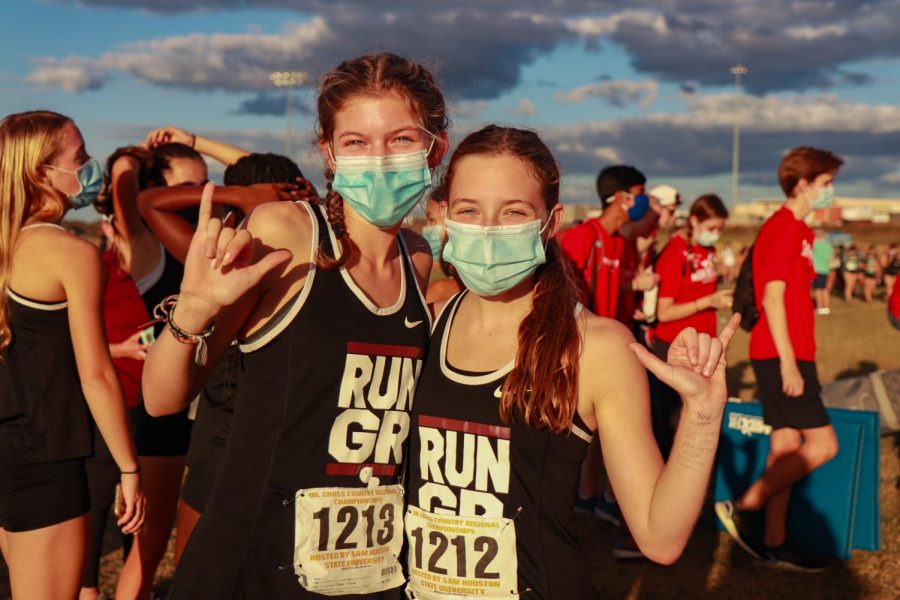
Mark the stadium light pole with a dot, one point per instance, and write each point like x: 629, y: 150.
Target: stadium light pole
x: 288, y: 80
x: 737, y: 70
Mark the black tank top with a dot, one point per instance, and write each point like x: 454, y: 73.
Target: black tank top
x: 324, y: 395
x: 43, y: 413
x: 490, y: 503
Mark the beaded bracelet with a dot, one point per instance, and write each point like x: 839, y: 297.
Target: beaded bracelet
x: 163, y: 313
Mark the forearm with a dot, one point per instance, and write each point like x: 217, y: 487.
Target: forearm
x: 778, y: 327
x: 671, y: 311
x: 222, y: 152
x: 104, y: 399
x: 171, y: 377
x: 682, y: 484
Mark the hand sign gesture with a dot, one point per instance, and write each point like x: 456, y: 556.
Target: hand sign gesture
x: 218, y: 269
x: 696, y: 364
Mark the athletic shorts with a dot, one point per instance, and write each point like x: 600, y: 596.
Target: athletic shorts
x: 820, y: 282
x: 39, y: 495
x: 168, y: 435
x: 779, y: 411
x: 211, y: 429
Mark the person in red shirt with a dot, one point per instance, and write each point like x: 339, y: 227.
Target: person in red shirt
x: 606, y: 260
x: 688, y: 276
x: 783, y: 354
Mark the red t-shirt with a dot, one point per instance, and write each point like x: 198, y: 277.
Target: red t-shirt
x: 600, y: 258
x: 123, y: 314
x: 783, y: 252
x: 686, y: 274
x: 894, y: 301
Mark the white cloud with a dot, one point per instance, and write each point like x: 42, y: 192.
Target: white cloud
x: 525, y: 108
x: 618, y: 93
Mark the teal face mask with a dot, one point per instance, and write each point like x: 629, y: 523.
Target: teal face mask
x: 824, y: 199
x: 90, y: 180
x: 434, y: 235
x: 382, y: 189
x: 706, y: 238
x: 491, y: 260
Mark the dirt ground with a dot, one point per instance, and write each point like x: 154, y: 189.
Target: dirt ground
x: 855, y: 339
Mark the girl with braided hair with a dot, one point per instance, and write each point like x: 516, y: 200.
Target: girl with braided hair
x: 326, y: 304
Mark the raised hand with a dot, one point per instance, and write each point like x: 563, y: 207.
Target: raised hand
x: 168, y: 134
x: 696, y: 364
x: 218, y: 269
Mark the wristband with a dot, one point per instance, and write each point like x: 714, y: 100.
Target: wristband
x: 163, y: 313
x: 193, y: 140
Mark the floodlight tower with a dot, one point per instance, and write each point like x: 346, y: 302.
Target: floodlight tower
x: 288, y: 80
x: 737, y: 70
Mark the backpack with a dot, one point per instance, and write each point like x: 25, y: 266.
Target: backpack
x: 744, y: 300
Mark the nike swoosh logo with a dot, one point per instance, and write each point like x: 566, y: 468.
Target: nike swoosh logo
x: 498, y: 393
x: 410, y: 324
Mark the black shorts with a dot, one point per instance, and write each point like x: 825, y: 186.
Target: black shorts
x: 211, y: 429
x: 39, y: 495
x: 169, y: 435
x: 779, y: 411
x: 820, y: 282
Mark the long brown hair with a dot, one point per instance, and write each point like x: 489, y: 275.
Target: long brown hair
x: 371, y: 75
x: 707, y: 206
x: 27, y: 141
x: 543, y: 385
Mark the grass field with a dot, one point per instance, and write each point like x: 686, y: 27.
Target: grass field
x: 855, y: 339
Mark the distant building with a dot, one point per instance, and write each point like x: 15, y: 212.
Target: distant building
x: 844, y: 210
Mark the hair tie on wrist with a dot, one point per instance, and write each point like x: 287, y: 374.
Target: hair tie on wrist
x: 135, y: 472
x: 193, y: 140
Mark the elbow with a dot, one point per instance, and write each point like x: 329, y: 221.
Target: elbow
x: 664, y: 555
x: 155, y: 402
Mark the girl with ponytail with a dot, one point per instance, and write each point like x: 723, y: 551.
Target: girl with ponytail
x: 56, y: 374
x: 326, y: 307
x: 517, y: 381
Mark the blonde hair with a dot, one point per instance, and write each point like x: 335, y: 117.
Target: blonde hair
x: 27, y: 141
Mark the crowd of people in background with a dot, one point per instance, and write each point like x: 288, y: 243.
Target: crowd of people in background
x: 240, y: 361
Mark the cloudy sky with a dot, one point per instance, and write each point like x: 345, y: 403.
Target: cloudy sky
x: 647, y: 85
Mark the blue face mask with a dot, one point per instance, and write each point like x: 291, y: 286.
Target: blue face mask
x: 492, y: 260
x: 641, y: 204
x: 90, y: 180
x: 434, y: 235
x: 824, y: 199
x: 382, y: 189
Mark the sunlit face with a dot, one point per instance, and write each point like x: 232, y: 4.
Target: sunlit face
x: 186, y: 171
x: 377, y: 126
x: 70, y: 156
x: 811, y: 188
x: 497, y: 189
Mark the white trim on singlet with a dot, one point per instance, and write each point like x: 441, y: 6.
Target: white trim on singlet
x: 48, y: 306
x: 271, y: 329
x: 146, y: 282
x: 42, y: 224
x: 581, y: 433
x: 359, y: 293
x: 452, y: 375
x: 412, y: 268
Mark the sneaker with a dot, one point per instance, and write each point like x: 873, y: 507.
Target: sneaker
x: 625, y: 548
x: 607, y: 510
x: 789, y: 557
x: 741, y: 525
x: 585, y: 505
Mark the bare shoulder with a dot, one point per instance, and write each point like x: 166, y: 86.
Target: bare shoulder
x: 605, y: 344
x: 280, y: 225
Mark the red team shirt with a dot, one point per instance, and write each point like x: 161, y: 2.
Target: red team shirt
x: 686, y: 274
x: 783, y: 252
x: 607, y: 264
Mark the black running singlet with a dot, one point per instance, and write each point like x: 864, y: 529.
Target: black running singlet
x: 307, y: 498
x: 490, y: 503
x: 43, y: 413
